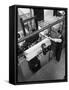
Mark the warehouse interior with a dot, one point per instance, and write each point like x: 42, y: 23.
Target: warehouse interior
x: 36, y: 50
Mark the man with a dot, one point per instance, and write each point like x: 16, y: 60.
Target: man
x: 58, y: 47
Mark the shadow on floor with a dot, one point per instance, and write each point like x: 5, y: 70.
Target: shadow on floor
x: 50, y: 71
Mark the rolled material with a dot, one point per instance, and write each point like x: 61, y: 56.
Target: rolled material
x: 36, y: 49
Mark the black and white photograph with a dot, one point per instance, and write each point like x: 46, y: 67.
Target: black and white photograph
x: 40, y: 44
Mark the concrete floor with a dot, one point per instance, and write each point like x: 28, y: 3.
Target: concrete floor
x: 51, y: 70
